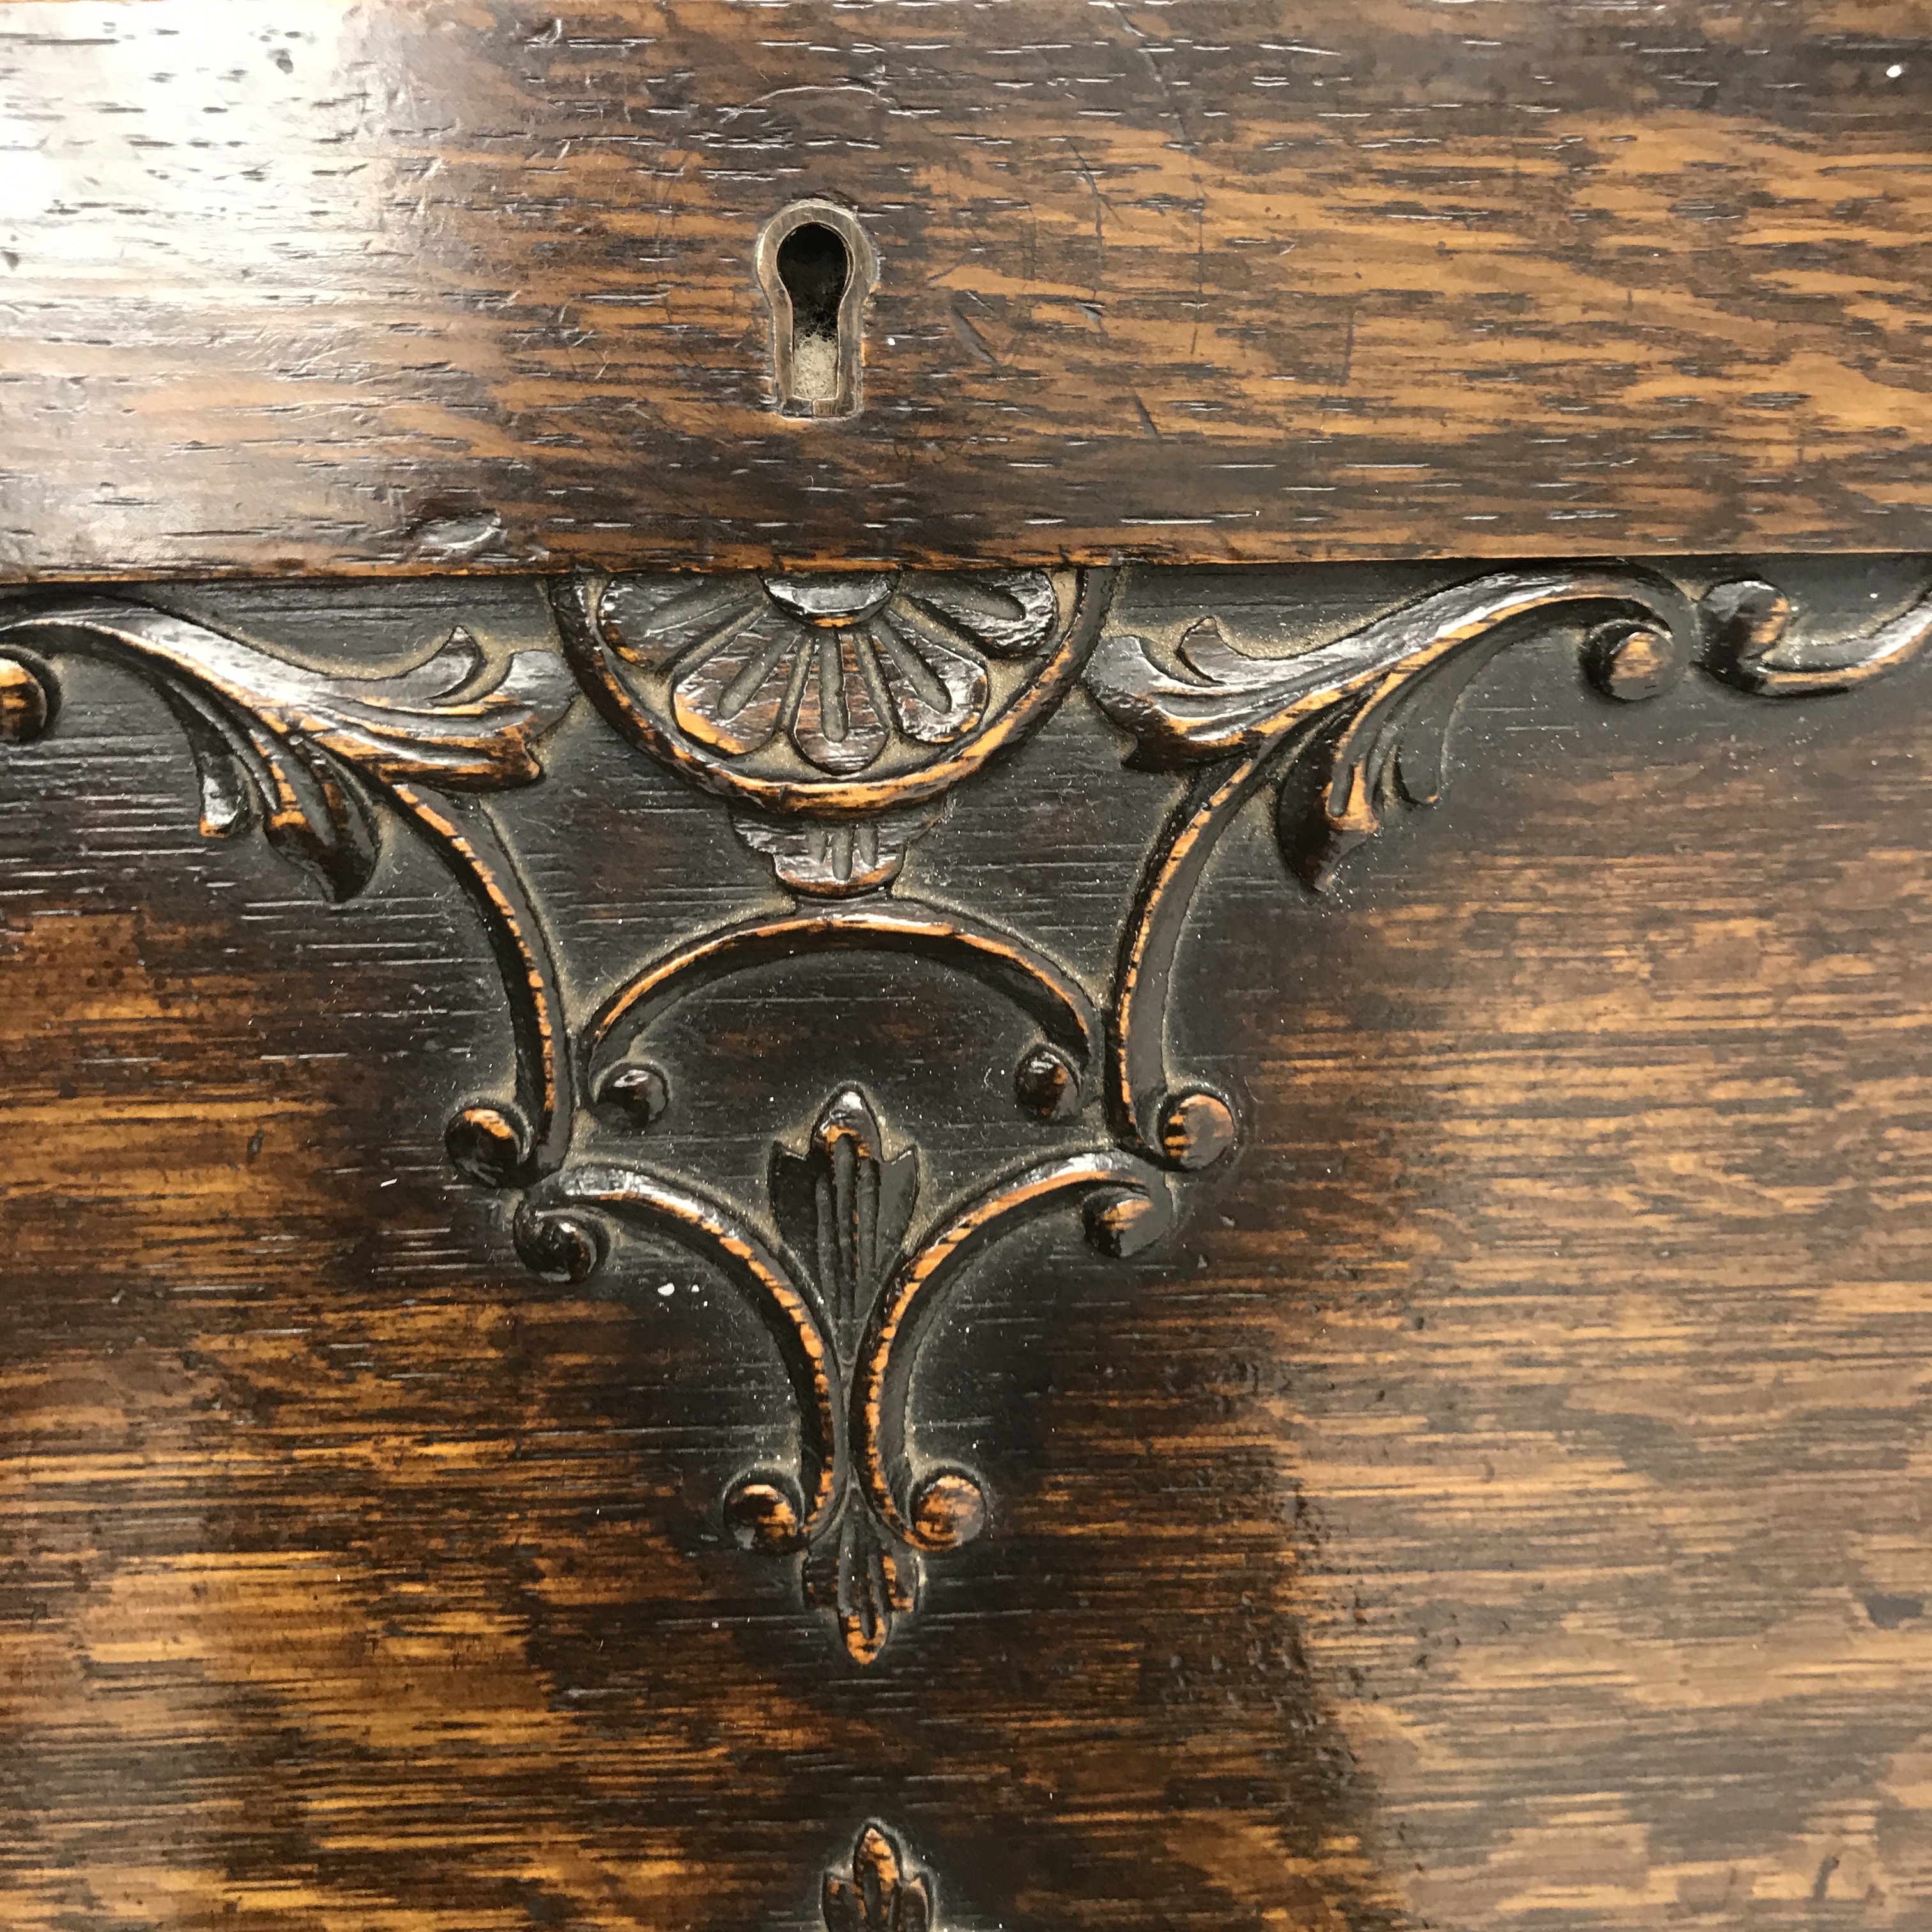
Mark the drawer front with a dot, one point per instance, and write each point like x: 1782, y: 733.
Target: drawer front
x: 1144, y: 1328
x: 385, y: 288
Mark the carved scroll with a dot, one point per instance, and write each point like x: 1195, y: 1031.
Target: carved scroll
x: 308, y: 757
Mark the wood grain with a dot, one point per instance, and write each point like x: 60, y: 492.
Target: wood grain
x: 1502, y: 1510
x: 391, y: 289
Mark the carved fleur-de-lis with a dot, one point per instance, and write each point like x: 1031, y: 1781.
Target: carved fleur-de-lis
x: 846, y: 1294
x: 884, y: 1894
x: 843, y: 1206
x: 865, y: 1579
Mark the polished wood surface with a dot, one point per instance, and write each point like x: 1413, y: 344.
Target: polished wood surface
x: 394, y: 288
x: 1500, y: 1508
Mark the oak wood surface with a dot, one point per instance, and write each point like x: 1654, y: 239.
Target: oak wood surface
x: 1501, y: 1509
x: 391, y: 288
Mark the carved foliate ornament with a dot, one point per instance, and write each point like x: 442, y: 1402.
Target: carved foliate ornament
x: 833, y: 716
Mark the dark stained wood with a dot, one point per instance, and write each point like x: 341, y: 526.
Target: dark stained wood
x: 395, y: 289
x: 1499, y: 1508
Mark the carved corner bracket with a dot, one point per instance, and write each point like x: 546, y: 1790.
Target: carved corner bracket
x: 832, y: 715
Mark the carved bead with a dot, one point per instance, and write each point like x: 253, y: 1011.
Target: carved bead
x: 760, y: 1516
x: 488, y: 1145
x: 26, y: 703
x: 1632, y: 662
x: 1196, y: 1129
x: 1119, y: 1224
x: 948, y: 1511
x: 1047, y: 1085
x: 559, y: 1247
x: 639, y: 1088
x: 1744, y: 622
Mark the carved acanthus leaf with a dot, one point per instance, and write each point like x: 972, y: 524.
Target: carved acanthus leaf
x: 1233, y: 703
x: 439, y: 722
x: 837, y: 858
x: 272, y: 737
x: 308, y: 751
x: 1362, y: 717
x: 843, y: 1206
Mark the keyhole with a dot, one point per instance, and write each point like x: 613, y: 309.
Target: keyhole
x: 817, y: 266
x: 814, y: 268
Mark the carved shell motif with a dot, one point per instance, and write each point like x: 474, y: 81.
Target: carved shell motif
x: 841, y: 665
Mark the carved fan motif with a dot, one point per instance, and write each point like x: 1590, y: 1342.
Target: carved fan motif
x: 840, y: 665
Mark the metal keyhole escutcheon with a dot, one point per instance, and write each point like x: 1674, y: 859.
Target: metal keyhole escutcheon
x: 816, y: 267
